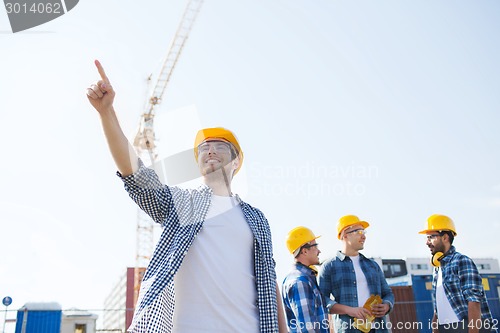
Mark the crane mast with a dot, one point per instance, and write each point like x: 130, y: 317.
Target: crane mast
x: 145, y: 140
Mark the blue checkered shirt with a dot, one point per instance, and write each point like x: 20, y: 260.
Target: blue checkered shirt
x: 462, y: 284
x: 337, y: 278
x: 304, y: 304
x: 182, y: 212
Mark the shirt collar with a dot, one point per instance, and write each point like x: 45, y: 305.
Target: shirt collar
x: 306, y: 270
x: 342, y: 256
x: 204, y: 188
x: 449, y: 254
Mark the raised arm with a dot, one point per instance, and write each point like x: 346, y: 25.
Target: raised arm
x: 101, y: 96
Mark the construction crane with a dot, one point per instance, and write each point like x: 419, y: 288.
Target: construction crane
x: 145, y: 140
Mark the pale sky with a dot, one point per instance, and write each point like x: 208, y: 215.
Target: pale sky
x: 388, y: 110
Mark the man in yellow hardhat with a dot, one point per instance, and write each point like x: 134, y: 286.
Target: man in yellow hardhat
x: 213, y: 268
x: 352, y: 279
x: 460, y: 304
x: 304, y: 305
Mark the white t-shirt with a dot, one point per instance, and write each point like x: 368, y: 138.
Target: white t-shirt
x: 215, y: 289
x: 361, y: 283
x: 444, y: 310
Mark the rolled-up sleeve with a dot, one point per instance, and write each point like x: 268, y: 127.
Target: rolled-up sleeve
x: 471, y: 282
x: 145, y: 188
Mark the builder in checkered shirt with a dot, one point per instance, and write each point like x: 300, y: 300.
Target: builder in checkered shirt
x: 350, y: 282
x: 305, y: 306
x: 212, y: 269
x: 460, y: 304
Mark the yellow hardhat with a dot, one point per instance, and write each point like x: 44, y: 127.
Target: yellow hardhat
x: 218, y: 133
x: 439, y: 222
x: 299, y: 236
x: 347, y: 221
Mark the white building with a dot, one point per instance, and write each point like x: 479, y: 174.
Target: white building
x: 78, y: 321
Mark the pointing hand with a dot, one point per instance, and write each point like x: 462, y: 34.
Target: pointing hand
x: 101, y: 93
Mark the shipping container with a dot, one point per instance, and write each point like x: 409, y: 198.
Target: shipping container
x: 422, y: 293
x: 422, y: 286
x: 39, y: 318
x: 414, y: 309
x: 491, y: 284
x: 403, y: 315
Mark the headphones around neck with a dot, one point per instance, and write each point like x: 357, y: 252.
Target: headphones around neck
x: 436, y: 258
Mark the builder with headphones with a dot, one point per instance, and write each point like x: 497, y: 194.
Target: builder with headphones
x: 460, y: 303
x: 355, y: 287
x: 304, y: 305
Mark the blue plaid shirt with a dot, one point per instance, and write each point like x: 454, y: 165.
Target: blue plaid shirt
x: 304, y: 305
x: 182, y: 213
x: 462, y: 284
x: 337, y: 278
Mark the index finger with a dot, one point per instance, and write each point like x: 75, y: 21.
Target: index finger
x: 100, y: 69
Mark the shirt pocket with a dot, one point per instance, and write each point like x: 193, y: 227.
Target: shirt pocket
x: 452, y: 280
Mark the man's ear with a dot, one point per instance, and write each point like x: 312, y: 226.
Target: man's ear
x: 446, y: 237
x: 235, y: 163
